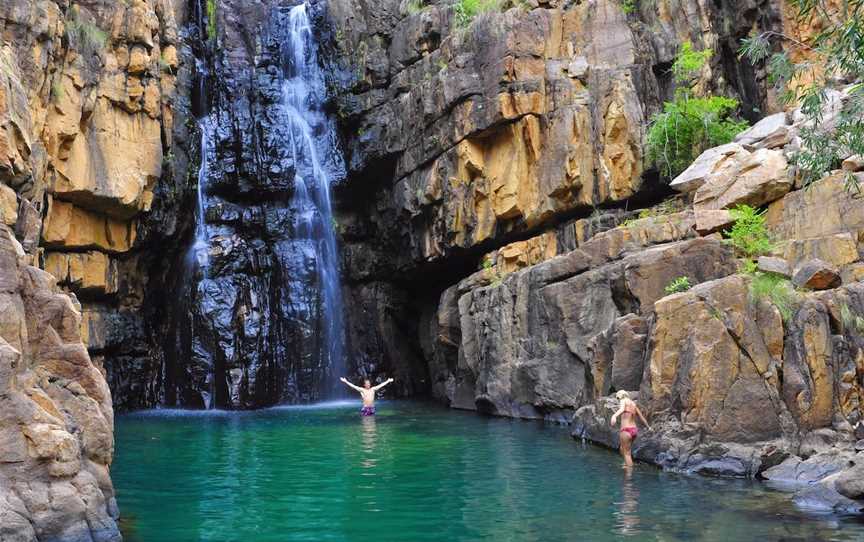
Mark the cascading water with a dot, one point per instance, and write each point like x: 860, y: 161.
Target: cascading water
x: 201, y: 246
x: 311, y: 138
x: 264, y: 322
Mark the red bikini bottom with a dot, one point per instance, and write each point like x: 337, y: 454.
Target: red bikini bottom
x: 632, y: 431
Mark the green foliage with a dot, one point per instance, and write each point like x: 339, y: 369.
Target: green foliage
x: 468, y: 10
x: 689, y: 125
x: 837, y: 50
x: 688, y: 63
x: 57, y: 92
x: 681, y: 284
x: 87, y: 38
x: 664, y: 208
x: 412, y: 7
x: 211, y: 19
x: 851, y: 322
x: 749, y: 235
x: 488, y: 263
x: 776, y: 290
x: 628, y: 6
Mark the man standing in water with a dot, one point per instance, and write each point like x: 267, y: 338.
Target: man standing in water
x: 367, y: 392
x: 628, y: 412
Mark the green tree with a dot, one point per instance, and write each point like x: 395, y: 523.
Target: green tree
x: 836, y: 52
x: 690, y: 124
x: 749, y: 235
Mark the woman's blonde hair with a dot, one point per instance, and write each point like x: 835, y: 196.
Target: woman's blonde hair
x: 621, y: 395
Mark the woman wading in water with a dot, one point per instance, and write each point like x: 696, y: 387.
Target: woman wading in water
x: 367, y: 392
x: 628, y: 412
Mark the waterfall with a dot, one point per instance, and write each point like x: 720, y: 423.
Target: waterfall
x: 201, y: 246
x: 313, y: 144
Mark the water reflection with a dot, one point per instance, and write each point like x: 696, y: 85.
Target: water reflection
x: 627, y: 513
x: 368, y: 435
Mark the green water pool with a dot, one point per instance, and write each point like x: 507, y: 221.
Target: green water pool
x: 418, y: 472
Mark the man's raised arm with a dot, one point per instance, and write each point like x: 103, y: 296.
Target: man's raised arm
x: 350, y: 385
x: 381, y: 385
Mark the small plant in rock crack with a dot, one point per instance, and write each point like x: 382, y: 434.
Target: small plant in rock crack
x: 749, y: 235
x: 468, y: 10
x: 681, y: 284
x: 628, y: 6
x: 776, y: 290
x: 57, y: 92
x: 211, y: 19
x: 413, y: 7
x: 87, y: 38
x: 851, y: 321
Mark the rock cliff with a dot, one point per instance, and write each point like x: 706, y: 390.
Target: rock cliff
x: 87, y: 193
x: 518, y: 140
x: 505, y: 244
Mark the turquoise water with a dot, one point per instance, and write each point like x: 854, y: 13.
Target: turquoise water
x: 417, y: 472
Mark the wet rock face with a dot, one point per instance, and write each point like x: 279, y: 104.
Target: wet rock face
x: 255, y: 330
x: 56, y: 418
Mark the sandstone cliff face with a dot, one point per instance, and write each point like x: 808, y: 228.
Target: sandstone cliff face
x: 86, y: 126
x: 506, y: 134
x: 57, y: 422
x: 518, y: 141
x: 90, y: 165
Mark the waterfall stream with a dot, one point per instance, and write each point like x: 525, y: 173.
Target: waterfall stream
x: 312, y: 141
x: 201, y: 246
x: 267, y: 312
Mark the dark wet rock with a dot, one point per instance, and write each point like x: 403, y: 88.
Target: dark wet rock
x: 795, y: 470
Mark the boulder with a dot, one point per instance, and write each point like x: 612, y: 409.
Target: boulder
x: 825, y: 208
x: 850, y: 483
x: 816, y: 275
x: 760, y: 178
x: 8, y: 205
x: 630, y: 334
x: 853, y: 163
x: 776, y: 266
x: 808, y: 368
x: 769, y: 133
x: 838, y: 250
x: 795, y: 471
x: 714, y: 161
x: 728, y: 348
x: 711, y: 221
x: 825, y: 499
